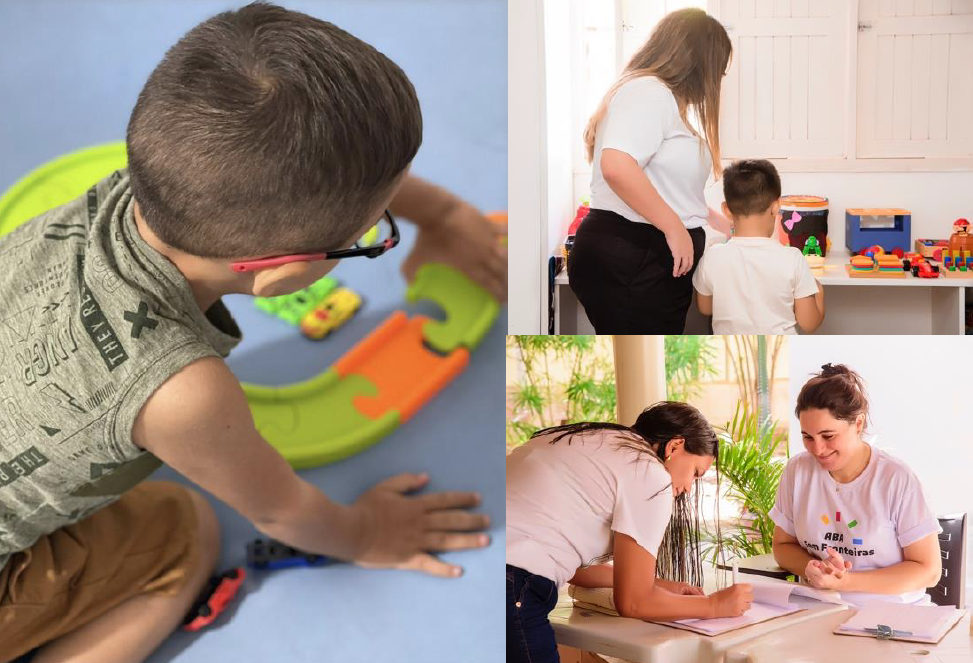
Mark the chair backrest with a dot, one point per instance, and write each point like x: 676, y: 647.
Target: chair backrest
x: 951, y: 589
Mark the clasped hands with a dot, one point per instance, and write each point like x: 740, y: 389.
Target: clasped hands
x: 829, y: 573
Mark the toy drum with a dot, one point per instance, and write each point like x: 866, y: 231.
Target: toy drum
x: 803, y: 217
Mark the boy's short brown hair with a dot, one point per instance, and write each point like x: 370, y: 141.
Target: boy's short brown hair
x: 750, y: 186
x: 267, y: 131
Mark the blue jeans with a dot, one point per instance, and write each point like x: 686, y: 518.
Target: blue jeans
x: 530, y: 637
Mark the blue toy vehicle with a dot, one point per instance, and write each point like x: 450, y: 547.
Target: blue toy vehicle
x: 272, y: 555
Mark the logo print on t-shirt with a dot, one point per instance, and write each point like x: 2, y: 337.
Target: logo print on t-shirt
x: 140, y: 319
x: 837, y: 518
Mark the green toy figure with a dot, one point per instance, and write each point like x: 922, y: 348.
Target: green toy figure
x: 812, y: 246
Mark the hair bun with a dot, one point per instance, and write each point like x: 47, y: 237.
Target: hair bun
x: 830, y: 370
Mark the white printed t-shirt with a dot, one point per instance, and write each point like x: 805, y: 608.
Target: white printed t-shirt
x: 753, y: 282
x: 869, y: 520
x: 565, y: 500
x: 643, y: 122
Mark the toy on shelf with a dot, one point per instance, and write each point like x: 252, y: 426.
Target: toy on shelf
x: 957, y: 264
x: 960, y: 240
x: 270, y: 554
x: 919, y: 266
x: 883, y: 265
x: 932, y: 249
x: 803, y: 217
x: 816, y: 263
x: 579, y: 216
x: 335, y: 310
x: 214, y: 598
x: 890, y: 228
x: 811, y: 246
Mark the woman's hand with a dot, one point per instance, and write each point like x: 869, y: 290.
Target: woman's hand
x: 681, y: 245
x: 732, y: 601
x: 829, y: 573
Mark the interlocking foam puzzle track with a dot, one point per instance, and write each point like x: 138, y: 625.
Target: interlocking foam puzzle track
x: 381, y: 382
x: 375, y: 387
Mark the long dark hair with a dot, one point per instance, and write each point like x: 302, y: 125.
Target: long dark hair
x: 679, y: 556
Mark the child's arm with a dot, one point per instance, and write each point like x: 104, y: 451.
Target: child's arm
x: 454, y: 232
x: 704, y: 303
x: 809, y: 311
x: 198, y: 422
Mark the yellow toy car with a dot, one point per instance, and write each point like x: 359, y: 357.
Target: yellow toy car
x: 333, y: 311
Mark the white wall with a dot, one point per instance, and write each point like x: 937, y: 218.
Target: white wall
x: 935, y: 199
x: 526, y: 130
x: 920, y: 400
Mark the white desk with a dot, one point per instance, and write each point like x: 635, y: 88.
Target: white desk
x: 908, y: 305
x: 644, y: 642
x: 813, y: 642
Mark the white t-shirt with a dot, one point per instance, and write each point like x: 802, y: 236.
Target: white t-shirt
x: 643, y: 121
x: 869, y: 521
x: 565, y: 500
x: 754, y: 282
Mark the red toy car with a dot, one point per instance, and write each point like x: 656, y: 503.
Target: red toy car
x: 920, y: 267
x: 213, y: 599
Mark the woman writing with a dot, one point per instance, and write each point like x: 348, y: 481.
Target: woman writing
x: 580, y: 494
x: 848, y: 516
x: 634, y: 254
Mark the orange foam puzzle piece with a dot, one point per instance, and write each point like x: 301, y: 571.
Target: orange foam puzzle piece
x: 419, y: 375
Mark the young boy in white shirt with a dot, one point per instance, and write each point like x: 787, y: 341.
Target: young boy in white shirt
x: 752, y: 284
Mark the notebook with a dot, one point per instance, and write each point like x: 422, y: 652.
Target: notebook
x: 772, y: 599
x: 915, y: 623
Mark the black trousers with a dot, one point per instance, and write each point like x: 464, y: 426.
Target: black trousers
x: 621, y: 272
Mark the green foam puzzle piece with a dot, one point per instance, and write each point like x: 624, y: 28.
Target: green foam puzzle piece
x: 57, y: 182
x: 315, y: 422
x: 470, y: 310
x: 294, y: 306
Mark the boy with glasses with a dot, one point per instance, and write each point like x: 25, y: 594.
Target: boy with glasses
x: 261, y: 149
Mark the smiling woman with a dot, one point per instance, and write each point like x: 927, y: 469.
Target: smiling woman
x: 851, y: 517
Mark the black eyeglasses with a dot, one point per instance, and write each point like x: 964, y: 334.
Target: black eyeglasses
x: 366, y: 246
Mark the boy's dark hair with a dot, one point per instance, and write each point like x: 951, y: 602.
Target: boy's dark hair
x: 267, y: 131
x: 750, y: 186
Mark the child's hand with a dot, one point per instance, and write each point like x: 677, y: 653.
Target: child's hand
x: 399, y: 532
x: 466, y: 240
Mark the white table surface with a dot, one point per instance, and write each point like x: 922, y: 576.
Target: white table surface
x: 836, y: 274
x: 645, y: 642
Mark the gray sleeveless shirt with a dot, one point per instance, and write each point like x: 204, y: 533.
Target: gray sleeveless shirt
x: 92, y: 321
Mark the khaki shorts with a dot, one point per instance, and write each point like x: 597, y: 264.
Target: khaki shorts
x: 144, y: 542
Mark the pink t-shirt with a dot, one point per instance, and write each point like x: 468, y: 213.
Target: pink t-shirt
x: 869, y: 520
x: 565, y: 501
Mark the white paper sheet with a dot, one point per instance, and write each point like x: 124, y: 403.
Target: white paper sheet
x: 758, y: 612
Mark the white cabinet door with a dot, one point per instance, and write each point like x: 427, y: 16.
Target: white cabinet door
x: 786, y: 94
x: 915, y: 78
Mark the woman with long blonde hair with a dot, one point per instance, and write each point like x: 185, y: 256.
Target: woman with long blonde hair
x: 634, y: 254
